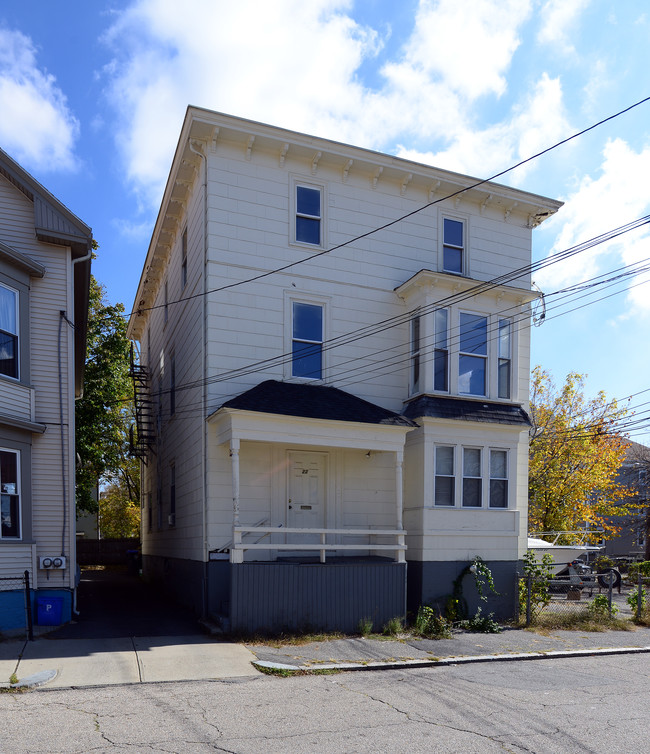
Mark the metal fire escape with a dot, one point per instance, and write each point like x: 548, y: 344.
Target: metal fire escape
x: 142, y: 436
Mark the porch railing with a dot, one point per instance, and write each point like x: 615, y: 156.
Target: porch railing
x: 239, y: 546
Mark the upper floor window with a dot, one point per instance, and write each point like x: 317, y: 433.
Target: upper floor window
x: 415, y: 354
x: 453, y: 247
x: 307, y: 340
x: 505, y: 358
x: 441, y: 350
x: 472, y: 482
x: 8, y: 332
x: 308, y: 215
x: 472, y: 359
x: 10, y: 494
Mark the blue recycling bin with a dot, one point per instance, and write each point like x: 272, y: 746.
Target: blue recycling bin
x: 49, y: 611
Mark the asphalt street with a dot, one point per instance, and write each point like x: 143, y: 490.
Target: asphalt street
x: 596, y: 704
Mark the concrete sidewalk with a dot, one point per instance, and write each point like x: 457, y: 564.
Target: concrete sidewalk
x: 62, y: 663
x: 510, y: 644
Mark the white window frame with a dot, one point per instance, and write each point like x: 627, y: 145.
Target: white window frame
x: 416, y: 356
x: 464, y: 256
x: 504, y: 357
x: 451, y: 476
x: 324, y: 302
x: 459, y: 476
x: 16, y: 334
x: 296, y: 183
x: 15, y: 493
x: 485, y: 357
x: 466, y: 449
x: 505, y: 479
x: 441, y: 347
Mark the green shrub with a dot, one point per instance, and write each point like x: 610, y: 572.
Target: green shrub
x: 393, y: 627
x: 430, y: 624
x: 603, y: 562
x: 540, y: 573
x: 635, y: 569
x: 632, y: 600
x: 365, y: 626
x: 599, y: 608
x: 483, y: 624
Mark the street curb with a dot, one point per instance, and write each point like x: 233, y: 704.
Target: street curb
x: 445, y: 662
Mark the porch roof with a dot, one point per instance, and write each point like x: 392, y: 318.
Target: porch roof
x: 316, y: 415
x: 314, y: 402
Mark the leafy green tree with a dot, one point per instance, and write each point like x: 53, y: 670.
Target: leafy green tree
x: 575, y: 455
x: 103, y: 414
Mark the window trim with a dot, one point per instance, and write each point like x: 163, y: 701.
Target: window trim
x: 16, y: 335
x: 416, y: 355
x: 485, y: 357
x: 451, y: 476
x: 300, y: 182
x: 459, y: 476
x: 464, y: 260
x: 17, y: 494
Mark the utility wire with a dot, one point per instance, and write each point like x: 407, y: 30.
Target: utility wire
x: 476, y: 184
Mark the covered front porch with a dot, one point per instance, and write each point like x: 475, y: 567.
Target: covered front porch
x: 315, y: 538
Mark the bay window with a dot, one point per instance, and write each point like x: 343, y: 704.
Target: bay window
x: 498, y: 479
x: 415, y: 354
x: 441, y: 350
x: 473, y: 355
x: 445, y: 483
x: 472, y: 481
x: 505, y: 358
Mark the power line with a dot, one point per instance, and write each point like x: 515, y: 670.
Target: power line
x: 400, y: 219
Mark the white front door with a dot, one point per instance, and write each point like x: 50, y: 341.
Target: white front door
x: 306, y: 490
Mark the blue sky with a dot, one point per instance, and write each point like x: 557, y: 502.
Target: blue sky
x: 92, y: 96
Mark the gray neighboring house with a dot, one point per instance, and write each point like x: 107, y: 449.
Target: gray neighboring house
x: 633, y: 540
x: 45, y: 257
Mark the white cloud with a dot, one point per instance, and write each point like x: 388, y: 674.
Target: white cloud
x: 296, y: 64
x: 617, y: 197
x: 36, y: 127
x: 559, y: 19
x: 536, y: 123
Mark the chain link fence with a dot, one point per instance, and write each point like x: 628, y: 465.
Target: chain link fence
x: 15, y: 598
x: 575, y: 595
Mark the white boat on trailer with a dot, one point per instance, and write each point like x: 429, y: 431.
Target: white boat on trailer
x: 562, y: 554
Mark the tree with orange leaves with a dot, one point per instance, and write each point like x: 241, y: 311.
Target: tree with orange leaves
x: 575, y: 455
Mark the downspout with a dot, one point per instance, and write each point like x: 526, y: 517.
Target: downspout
x: 204, y: 397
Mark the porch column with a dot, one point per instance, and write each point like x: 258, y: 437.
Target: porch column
x: 399, y: 501
x: 236, y: 556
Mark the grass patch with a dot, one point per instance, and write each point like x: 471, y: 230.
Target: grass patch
x: 578, y: 621
x: 286, y: 673
x: 287, y: 639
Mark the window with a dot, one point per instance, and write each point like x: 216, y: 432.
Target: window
x: 472, y: 481
x: 452, y: 246
x: 10, y: 495
x: 8, y: 332
x: 415, y: 354
x: 441, y: 350
x: 184, y: 259
x: 444, y: 488
x: 498, y: 479
x: 472, y: 359
x: 505, y: 358
x: 307, y: 340
x: 308, y: 215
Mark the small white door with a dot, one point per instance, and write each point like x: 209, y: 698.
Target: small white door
x: 306, y: 490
